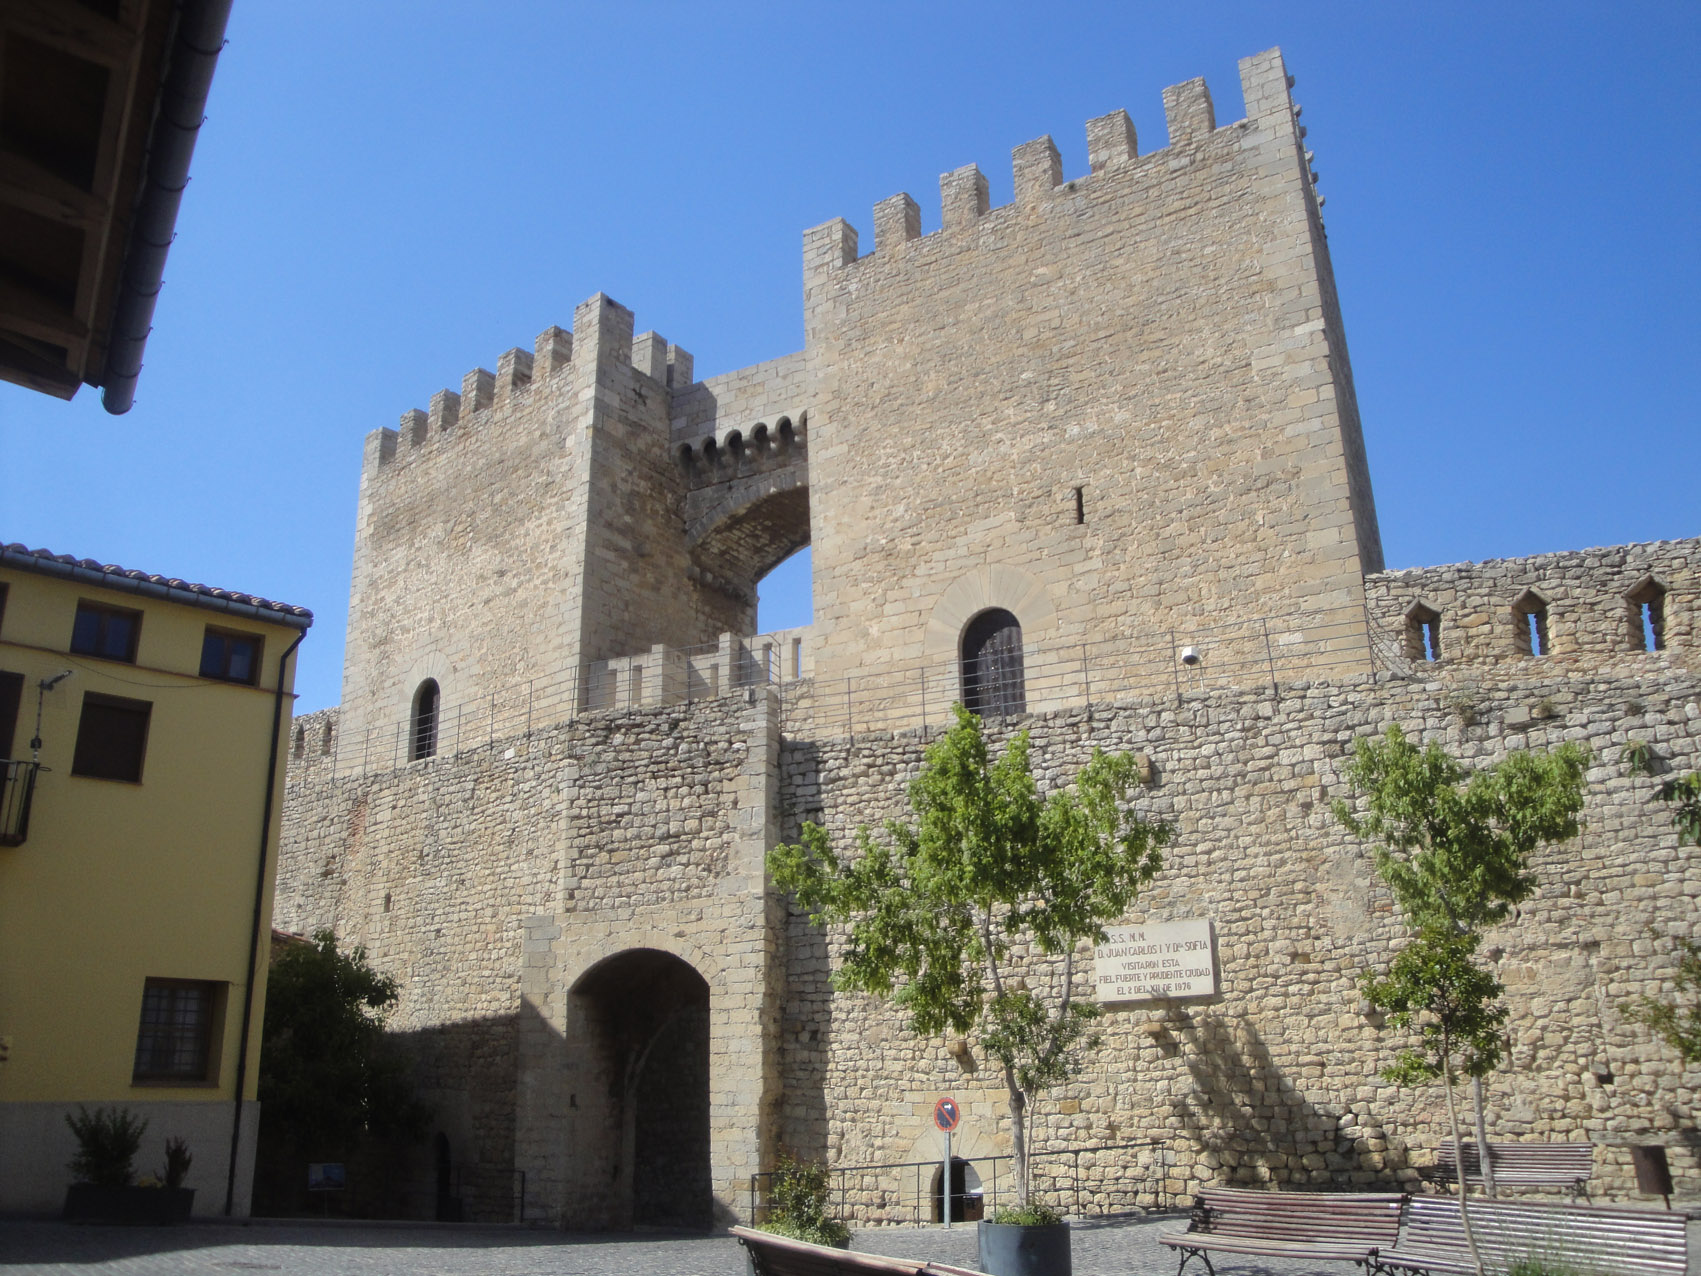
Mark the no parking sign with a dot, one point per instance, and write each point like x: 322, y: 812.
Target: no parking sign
x: 946, y: 1114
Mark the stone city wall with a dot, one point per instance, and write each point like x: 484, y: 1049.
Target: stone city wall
x: 608, y: 824
x: 1276, y: 1081
x: 491, y: 882
x: 1594, y: 600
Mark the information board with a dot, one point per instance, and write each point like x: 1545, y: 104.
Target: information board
x: 1159, y: 961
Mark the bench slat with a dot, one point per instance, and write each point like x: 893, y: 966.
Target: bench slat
x: 1324, y: 1226
x: 1519, y: 1164
x: 1607, y: 1239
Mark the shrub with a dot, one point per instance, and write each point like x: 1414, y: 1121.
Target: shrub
x: 1029, y: 1215
x: 797, y: 1204
x: 107, y: 1140
x: 177, y: 1162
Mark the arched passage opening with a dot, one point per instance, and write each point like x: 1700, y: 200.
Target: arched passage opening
x: 785, y: 597
x: 967, y: 1203
x: 642, y: 1029
x: 744, y: 531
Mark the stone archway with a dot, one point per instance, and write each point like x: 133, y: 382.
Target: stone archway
x: 638, y: 1043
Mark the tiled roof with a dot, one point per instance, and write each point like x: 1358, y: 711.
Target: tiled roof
x: 112, y: 576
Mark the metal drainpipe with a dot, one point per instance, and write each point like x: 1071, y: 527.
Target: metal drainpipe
x: 254, y: 931
x: 197, y: 39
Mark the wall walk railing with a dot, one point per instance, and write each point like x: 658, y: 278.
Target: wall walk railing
x: 1160, y: 664
x: 1082, y: 1182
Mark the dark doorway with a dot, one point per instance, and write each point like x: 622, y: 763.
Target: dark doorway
x: 992, y: 665
x: 967, y: 1205
x: 448, y: 1204
x: 646, y: 1020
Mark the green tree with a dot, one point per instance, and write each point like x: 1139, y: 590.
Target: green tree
x: 327, y: 1072
x: 970, y: 915
x: 1453, y: 845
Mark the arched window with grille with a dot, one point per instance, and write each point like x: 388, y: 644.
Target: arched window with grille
x: 422, y: 741
x: 992, y: 665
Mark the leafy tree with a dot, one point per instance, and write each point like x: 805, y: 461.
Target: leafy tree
x: 327, y: 1072
x: 1453, y: 846
x: 970, y: 916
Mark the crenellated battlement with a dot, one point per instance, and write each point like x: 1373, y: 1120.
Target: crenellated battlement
x: 1037, y: 168
x: 521, y: 373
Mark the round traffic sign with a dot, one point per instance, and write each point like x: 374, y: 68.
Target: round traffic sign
x: 946, y: 1114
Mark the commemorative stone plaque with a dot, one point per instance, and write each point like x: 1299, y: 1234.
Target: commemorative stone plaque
x: 1160, y: 961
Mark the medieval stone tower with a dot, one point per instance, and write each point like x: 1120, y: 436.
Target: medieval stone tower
x: 1090, y: 462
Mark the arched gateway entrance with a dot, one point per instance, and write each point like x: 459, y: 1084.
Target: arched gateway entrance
x: 639, y: 1028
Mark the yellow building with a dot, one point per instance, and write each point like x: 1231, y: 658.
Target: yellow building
x: 143, y: 723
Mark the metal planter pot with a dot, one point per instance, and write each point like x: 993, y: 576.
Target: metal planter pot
x: 86, y: 1203
x: 1014, y: 1249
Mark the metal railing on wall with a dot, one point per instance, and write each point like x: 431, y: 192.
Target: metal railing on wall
x: 895, y: 696
x: 1084, y: 1182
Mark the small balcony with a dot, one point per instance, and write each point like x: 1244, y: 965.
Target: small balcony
x: 17, y: 788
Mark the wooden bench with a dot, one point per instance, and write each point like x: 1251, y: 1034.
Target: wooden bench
x: 1348, y: 1227
x: 1567, y: 1165
x: 1600, y: 1240
x: 772, y: 1255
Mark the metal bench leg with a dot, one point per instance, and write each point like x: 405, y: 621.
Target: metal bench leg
x: 1188, y: 1255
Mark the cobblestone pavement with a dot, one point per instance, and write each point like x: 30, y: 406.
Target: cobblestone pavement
x: 1123, y: 1247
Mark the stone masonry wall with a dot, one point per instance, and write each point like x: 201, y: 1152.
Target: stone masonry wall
x: 1588, y: 594
x: 1277, y: 1082
x: 607, y: 824
x: 1160, y: 333
x: 644, y: 830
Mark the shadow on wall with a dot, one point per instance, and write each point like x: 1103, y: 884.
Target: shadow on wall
x: 1247, y: 1114
x: 806, y: 1031
x: 460, y: 1167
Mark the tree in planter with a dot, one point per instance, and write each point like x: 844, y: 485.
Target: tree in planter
x: 1454, y: 848
x: 327, y: 1072
x: 970, y: 916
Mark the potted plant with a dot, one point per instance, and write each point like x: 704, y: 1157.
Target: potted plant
x: 102, y: 1170
x: 972, y: 917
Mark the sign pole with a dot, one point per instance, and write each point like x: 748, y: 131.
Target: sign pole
x: 945, y: 1183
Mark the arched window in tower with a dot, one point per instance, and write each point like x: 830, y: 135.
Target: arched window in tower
x: 423, y: 741
x: 992, y: 665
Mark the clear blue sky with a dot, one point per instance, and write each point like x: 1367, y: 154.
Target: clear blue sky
x: 387, y: 195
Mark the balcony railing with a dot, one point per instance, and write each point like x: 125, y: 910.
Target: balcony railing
x: 17, y: 788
